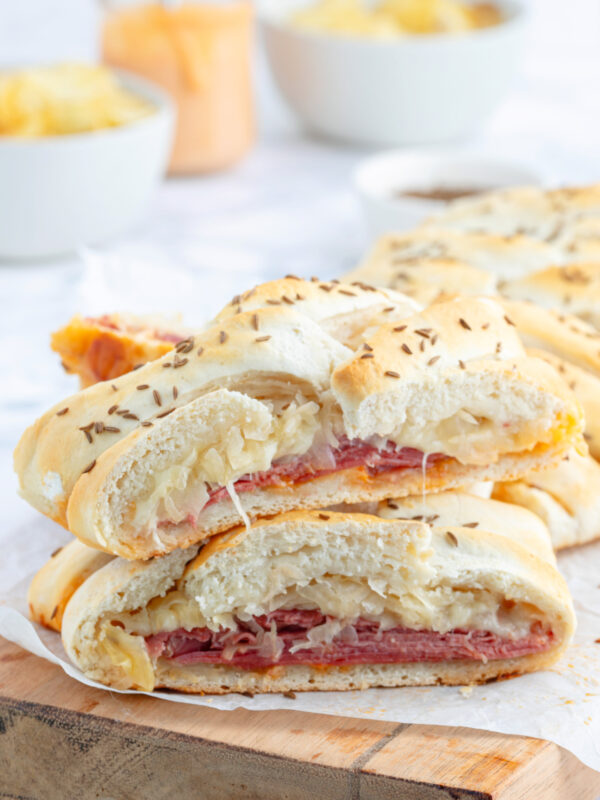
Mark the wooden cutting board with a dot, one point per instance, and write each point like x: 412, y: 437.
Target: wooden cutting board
x: 60, y: 739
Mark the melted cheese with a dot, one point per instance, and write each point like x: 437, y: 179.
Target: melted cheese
x: 474, y: 436
x: 128, y: 653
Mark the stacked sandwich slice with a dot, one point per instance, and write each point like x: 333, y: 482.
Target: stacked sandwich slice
x: 324, y: 600
x: 208, y: 476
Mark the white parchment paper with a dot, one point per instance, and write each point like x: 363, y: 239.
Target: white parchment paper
x: 561, y: 704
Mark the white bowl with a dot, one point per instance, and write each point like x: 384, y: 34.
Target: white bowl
x: 61, y: 192
x: 411, y: 90
x: 380, y: 180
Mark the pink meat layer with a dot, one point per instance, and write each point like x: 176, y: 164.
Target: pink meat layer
x: 247, y: 647
x: 349, y: 454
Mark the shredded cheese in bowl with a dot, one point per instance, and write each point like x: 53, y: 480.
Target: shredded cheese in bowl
x: 65, y: 99
x: 392, y: 18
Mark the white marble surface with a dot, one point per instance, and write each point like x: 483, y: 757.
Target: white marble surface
x: 288, y: 208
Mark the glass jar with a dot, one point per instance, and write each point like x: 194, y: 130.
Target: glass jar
x: 200, y: 53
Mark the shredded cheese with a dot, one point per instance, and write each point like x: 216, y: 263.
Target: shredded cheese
x: 236, y: 502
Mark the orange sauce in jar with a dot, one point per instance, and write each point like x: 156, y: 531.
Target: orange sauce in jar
x: 200, y: 53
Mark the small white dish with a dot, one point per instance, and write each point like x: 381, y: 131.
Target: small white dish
x: 58, y: 193
x: 381, y: 180
x: 404, y: 91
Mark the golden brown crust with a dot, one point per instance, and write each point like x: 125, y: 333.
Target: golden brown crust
x: 56, y: 582
x: 559, y: 334
x: 431, y: 262
x: 554, y: 216
x: 573, y: 289
x: 567, y: 498
x: 586, y: 388
x: 463, y: 509
x: 318, y: 300
x: 427, y: 282
x: 463, y: 334
x: 106, y: 347
x: 225, y: 680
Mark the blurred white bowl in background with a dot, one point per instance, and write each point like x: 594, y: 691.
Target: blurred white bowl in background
x: 58, y: 193
x: 411, y: 90
x: 381, y: 180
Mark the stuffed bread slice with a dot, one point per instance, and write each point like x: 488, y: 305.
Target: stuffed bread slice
x: 564, y: 340
x: 445, y: 398
x: 566, y: 497
x: 103, y: 348
x: 319, y: 600
x: 269, y: 353
x: 273, y: 354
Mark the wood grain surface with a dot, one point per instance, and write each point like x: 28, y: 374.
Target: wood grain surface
x: 60, y: 739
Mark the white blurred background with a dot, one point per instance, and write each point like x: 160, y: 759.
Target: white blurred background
x: 552, y: 115
x: 553, y: 112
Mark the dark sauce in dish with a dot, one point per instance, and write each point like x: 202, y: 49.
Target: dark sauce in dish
x: 443, y: 194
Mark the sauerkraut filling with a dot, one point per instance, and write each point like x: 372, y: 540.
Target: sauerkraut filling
x: 309, y: 637
x: 270, y: 431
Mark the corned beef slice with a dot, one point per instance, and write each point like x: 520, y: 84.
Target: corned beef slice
x: 350, y: 453
x: 361, y: 643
